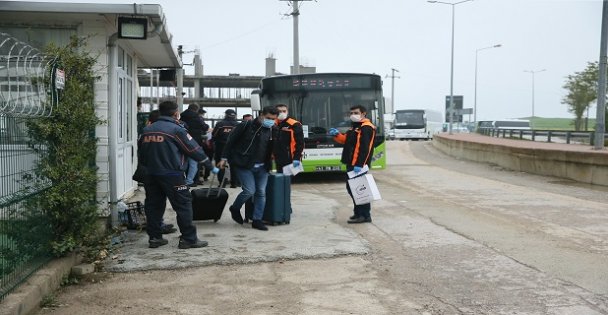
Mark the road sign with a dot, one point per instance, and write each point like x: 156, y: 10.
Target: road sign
x: 463, y: 111
x: 458, y: 100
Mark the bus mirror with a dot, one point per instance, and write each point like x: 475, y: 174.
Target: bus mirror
x: 256, y: 103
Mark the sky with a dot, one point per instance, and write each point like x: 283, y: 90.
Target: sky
x: 413, y: 36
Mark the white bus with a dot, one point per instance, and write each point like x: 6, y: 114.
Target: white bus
x: 521, y: 124
x: 416, y: 124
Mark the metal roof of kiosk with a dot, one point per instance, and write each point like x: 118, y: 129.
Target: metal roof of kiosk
x: 154, y: 52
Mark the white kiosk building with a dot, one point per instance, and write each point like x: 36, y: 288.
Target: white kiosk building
x: 124, y: 37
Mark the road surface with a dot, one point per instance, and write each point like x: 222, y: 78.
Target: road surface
x: 449, y: 237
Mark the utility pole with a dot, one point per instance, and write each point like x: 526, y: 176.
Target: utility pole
x: 451, y: 107
x: 296, y: 41
x: 601, y: 91
x: 180, y: 80
x: 393, y: 70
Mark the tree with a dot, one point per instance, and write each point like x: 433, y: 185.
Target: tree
x: 69, y: 135
x: 582, y: 90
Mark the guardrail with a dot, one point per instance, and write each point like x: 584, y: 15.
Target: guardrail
x: 557, y: 136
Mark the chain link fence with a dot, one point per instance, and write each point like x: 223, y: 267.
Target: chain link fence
x: 27, y: 92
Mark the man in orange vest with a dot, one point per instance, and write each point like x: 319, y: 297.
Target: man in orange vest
x: 356, y: 153
x: 289, y: 142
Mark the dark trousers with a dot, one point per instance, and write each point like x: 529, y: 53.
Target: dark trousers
x: 360, y: 210
x: 158, y: 189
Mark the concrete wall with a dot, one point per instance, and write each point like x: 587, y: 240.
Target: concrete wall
x: 580, y: 165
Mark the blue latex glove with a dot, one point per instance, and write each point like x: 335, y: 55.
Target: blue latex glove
x: 333, y: 132
x: 296, y: 163
x: 357, y: 169
x: 215, y: 170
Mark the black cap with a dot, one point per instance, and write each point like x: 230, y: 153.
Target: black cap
x: 230, y: 112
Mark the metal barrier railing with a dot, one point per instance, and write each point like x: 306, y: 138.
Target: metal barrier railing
x: 559, y: 136
x: 27, y: 79
x: 26, y: 93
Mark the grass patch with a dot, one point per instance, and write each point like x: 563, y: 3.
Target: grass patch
x: 542, y: 123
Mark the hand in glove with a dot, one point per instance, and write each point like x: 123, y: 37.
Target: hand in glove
x: 215, y: 170
x: 333, y: 132
x: 357, y: 169
x: 296, y: 163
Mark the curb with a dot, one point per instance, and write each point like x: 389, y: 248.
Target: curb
x: 27, y: 297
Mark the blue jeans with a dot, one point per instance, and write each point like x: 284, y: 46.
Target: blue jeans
x: 192, y: 169
x: 253, y: 183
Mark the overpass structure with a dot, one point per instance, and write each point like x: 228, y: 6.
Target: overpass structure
x: 230, y: 91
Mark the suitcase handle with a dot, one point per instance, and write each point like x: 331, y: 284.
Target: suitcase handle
x: 219, y: 190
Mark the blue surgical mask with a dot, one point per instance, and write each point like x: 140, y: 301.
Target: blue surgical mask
x: 268, y: 123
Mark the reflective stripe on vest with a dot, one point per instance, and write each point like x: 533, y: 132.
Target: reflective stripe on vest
x: 371, y: 143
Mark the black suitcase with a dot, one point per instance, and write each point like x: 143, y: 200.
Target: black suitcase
x: 208, y: 203
x: 278, y: 199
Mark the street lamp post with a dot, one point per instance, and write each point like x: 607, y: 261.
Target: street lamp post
x: 476, y: 55
x: 533, y: 74
x: 451, y: 110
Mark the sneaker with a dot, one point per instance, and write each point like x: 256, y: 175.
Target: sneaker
x: 186, y: 245
x: 157, y: 242
x: 359, y: 220
x: 258, y: 224
x: 236, y: 215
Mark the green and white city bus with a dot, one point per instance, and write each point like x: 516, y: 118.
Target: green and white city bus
x: 321, y: 101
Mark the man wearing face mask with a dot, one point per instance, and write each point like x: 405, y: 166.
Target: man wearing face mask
x: 249, y: 150
x: 163, y: 147
x: 289, y: 142
x: 357, y: 152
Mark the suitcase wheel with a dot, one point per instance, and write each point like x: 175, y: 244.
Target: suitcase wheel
x: 215, y: 220
x: 286, y: 222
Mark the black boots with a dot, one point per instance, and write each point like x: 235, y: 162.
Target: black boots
x: 236, y: 215
x: 359, y: 220
x: 258, y: 224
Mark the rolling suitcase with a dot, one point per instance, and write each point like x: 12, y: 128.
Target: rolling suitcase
x: 278, y: 199
x: 208, y: 203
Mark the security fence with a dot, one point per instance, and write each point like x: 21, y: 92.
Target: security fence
x: 28, y: 81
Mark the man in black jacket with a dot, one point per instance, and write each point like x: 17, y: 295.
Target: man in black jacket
x: 196, y: 128
x: 163, y: 147
x: 220, y: 134
x: 249, y: 150
x: 356, y: 153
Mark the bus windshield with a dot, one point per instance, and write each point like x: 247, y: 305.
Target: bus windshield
x: 409, y: 120
x: 320, y: 111
x: 321, y: 101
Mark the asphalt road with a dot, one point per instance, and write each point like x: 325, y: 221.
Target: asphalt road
x: 449, y: 237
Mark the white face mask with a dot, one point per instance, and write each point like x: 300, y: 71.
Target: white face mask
x: 282, y: 116
x: 355, y: 118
